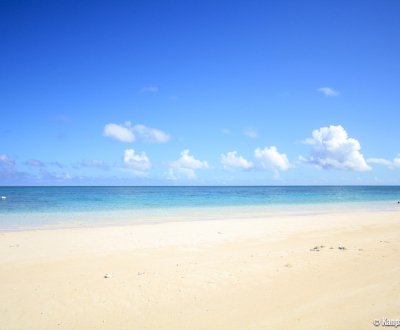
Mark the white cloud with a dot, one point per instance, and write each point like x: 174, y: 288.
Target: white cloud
x: 232, y: 160
x: 379, y: 161
x: 250, y: 132
x: 129, y: 133
x: 269, y: 158
x: 328, y: 91
x: 396, y: 161
x: 150, y: 89
x: 186, y: 165
x: 333, y: 149
x: 6, y: 160
x: 389, y: 163
x: 119, y: 132
x: 151, y: 134
x: 139, y: 163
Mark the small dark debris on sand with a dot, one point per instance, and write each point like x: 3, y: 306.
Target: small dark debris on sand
x: 318, y: 248
x: 107, y: 275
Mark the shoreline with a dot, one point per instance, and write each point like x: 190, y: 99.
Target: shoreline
x: 92, y: 219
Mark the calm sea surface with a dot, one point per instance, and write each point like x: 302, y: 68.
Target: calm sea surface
x: 33, y: 206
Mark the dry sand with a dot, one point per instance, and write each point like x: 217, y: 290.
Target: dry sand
x: 232, y: 274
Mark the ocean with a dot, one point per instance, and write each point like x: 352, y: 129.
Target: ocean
x: 34, y: 207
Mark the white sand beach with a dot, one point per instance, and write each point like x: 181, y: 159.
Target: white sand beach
x: 276, y: 273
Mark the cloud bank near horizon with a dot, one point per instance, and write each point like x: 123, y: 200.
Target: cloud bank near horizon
x: 331, y: 148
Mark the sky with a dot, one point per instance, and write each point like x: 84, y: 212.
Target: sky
x: 199, y: 92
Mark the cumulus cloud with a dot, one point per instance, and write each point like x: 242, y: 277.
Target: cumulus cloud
x: 232, y: 160
x: 250, y: 132
x: 150, y: 89
x: 121, y: 133
x: 6, y: 160
x: 265, y: 159
x: 128, y: 133
x: 269, y: 158
x: 139, y: 163
x: 333, y: 149
x: 385, y: 162
x: 186, y: 165
x: 328, y: 91
x: 149, y: 134
x: 34, y: 163
x: 380, y: 161
x: 396, y: 161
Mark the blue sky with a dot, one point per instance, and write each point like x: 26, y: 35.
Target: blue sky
x: 199, y: 92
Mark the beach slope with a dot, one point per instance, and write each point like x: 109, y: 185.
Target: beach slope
x: 326, y: 271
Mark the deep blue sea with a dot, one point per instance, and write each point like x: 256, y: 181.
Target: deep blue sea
x: 26, y: 206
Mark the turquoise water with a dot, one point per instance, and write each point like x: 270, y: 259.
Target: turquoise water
x: 28, y: 206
